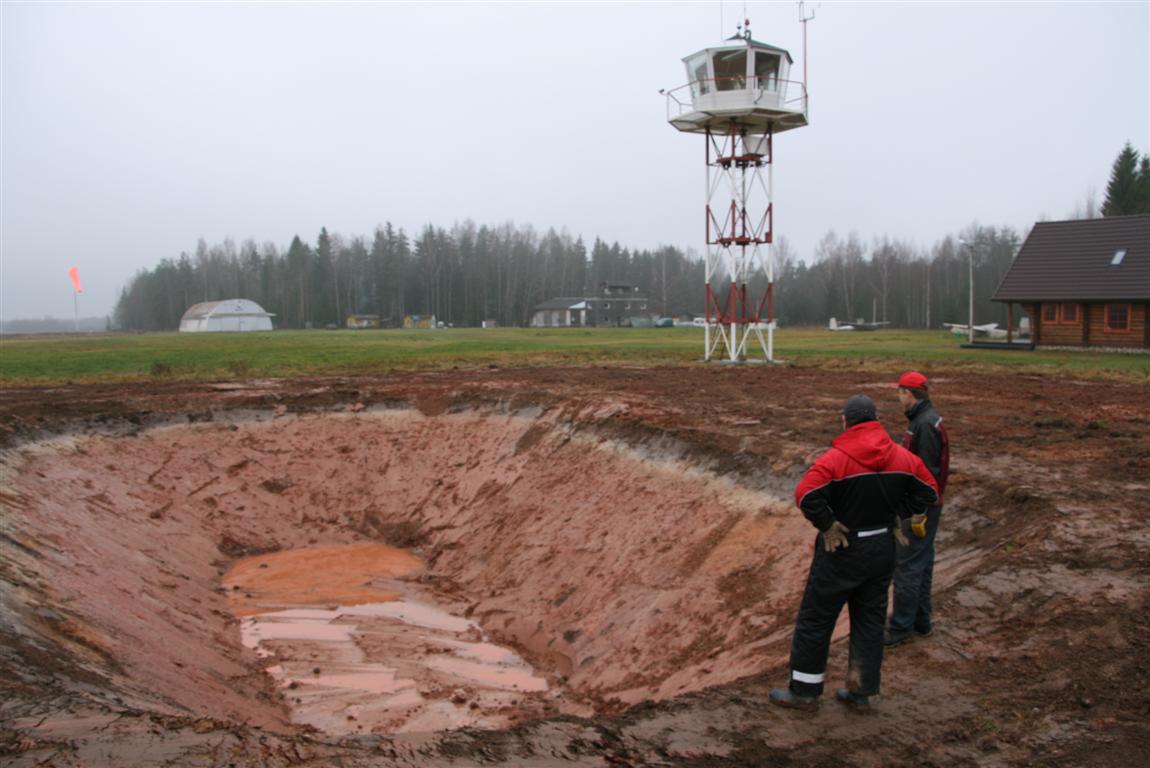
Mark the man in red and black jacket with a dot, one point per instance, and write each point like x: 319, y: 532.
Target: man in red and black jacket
x: 854, y: 494
x: 914, y: 575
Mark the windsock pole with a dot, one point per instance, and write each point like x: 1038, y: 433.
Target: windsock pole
x: 74, y: 275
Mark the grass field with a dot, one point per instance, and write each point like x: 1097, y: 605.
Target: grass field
x: 48, y: 360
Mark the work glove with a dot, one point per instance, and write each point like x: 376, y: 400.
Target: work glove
x: 835, y: 536
x: 918, y: 526
x: 900, y: 537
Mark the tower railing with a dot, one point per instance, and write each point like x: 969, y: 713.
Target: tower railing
x: 791, y: 95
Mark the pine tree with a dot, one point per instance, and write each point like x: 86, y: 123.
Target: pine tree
x: 1144, y: 185
x: 1123, y: 192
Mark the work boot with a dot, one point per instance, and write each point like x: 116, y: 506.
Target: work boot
x: 792, y: 700
x: 855, y: 701
x: 924, y: 631
x: 893, y: 640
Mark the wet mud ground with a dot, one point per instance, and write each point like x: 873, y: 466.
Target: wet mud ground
x: 625, y: 530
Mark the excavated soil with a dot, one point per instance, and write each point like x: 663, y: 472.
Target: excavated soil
x: 595, y: 566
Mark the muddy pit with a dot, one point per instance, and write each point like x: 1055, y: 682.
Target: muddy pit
x: 394, y: 572
x: 595, y: 566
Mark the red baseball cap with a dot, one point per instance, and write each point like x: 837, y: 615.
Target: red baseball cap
x: 912, y: 380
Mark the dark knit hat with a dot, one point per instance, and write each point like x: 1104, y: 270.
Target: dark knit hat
x: 859, y: 408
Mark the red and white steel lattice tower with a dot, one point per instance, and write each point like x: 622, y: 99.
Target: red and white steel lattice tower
x: 738, y: 97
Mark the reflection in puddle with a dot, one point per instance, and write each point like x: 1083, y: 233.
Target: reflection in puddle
x: 381, y: 662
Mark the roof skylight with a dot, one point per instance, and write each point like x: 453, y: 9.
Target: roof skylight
x: 1119, y: 255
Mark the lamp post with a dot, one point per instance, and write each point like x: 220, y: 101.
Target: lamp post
x: 970, y: 251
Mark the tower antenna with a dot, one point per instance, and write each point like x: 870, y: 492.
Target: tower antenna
x: 803, y: 18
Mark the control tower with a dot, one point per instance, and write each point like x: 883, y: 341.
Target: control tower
x: 738, y: 96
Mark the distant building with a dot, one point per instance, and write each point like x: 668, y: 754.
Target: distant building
x: 616, y: 305
x: 419, y: 321
x: 1084, y: 283
x: 362, y: 321
x: 226, y: 316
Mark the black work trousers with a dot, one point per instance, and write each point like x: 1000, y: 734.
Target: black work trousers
x: 859, y: 576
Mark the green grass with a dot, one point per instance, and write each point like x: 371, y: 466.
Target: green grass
x: 46, y: 360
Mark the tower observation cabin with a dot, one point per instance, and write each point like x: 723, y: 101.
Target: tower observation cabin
x: 739, y: 79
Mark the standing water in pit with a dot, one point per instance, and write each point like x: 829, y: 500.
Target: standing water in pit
x: 356, y: 652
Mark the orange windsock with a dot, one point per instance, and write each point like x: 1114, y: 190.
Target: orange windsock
x: 74, y: 273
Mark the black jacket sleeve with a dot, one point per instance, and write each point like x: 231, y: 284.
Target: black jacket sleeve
x: 921, y: 491
x: 813, y: 494
x: 928, y: 447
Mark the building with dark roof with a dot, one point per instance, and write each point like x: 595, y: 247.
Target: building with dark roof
x: 616, y: 305
x: 1084, y: 283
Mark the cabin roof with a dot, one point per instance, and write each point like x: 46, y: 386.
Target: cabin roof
x: 1075, y: 261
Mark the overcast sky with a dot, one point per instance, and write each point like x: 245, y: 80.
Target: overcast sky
x: 130, y: 130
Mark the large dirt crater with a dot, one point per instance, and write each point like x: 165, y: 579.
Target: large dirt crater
x: 620, y: 570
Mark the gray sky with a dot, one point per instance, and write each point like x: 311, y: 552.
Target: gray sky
x: 130, y: 130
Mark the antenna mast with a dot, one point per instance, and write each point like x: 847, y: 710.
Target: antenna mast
x: 804, y: 19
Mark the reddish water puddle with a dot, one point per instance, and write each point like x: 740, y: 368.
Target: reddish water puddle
x: 355, y: 651
x: 335, y: 575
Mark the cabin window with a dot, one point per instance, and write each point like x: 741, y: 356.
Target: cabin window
x: 1050, y: 313
x: 1118, y: 317
x: 1070, y: 313
x: 766, y: 71
x: 697, y: 74
x: 731, y: 70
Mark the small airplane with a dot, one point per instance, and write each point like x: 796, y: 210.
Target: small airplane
x: 990, y: 330
x: 835, y: 325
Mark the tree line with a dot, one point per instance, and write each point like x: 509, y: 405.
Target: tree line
x: 468, y: 273
x: 462, y: 275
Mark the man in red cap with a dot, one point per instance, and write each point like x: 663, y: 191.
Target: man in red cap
x: 852, y: 495
x: 926, y: 438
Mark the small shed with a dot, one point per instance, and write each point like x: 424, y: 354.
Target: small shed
x: 362, y: 321
x: 559, y: 313
x: 423, y: 322
x: 1084, y: 283
x: 226, y: 315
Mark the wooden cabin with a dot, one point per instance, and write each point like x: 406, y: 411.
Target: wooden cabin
x: 1084, y: 283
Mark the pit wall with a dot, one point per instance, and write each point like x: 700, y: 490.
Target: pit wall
x: 622, y: 570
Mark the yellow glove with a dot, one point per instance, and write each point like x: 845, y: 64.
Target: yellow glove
x: 918, y: 526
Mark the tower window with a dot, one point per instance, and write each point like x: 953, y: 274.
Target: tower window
x: 766, y: 71
x: 697, y: 72
x: 731, y: 70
